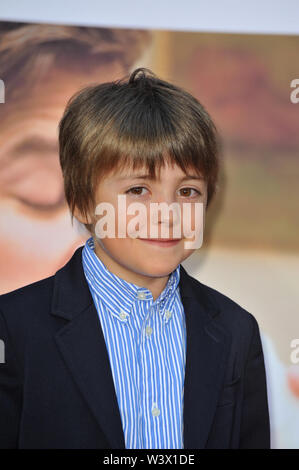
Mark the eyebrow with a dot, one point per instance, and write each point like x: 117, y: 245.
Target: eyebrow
x: 147, y: 176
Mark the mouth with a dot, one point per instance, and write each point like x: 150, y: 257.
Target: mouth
x: 164, y: 242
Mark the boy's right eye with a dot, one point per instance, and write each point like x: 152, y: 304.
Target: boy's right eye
x: 135, y: 190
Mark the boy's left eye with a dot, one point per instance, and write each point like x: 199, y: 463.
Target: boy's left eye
x: 190, y: 189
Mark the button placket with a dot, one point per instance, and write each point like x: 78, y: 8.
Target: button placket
x: 144, y: 327
x: 148, y: 328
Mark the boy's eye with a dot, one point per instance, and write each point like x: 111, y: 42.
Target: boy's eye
x: 135, y: 190
x: 186, y: 191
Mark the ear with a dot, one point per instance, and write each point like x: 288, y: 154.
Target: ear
x: 79, y: 216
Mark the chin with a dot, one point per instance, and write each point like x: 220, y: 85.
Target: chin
x: 160, y: 270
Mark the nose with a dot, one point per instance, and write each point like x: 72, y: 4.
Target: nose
x: 166, y: 213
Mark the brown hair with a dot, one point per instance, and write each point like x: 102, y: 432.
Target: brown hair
x: 139, y: 120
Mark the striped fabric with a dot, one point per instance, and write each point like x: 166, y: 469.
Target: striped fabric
x: 146, y: 344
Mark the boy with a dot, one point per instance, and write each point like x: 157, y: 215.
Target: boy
x: 121, y: 348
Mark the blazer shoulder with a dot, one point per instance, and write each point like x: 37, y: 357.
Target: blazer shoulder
x: 19, y: 310
x: 18, y: 306
x: 229, y: 312
x: 32, y: 303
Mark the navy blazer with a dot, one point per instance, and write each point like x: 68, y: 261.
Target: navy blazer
x: 56, y: 385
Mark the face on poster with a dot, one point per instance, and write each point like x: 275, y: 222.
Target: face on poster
x: 36, y: 234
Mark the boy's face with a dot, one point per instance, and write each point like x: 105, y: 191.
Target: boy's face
x: 136, y: 259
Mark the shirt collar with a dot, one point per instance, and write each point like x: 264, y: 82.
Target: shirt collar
x: 118, y: 294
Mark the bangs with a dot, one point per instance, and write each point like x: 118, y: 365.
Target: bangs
x: 120, y: 153
x: 150, y: 139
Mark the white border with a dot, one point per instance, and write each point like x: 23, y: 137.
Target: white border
x: 236, y: 16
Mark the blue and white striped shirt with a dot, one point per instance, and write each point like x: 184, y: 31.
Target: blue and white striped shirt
x: 146, y: 344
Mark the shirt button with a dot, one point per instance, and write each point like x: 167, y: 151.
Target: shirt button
x: 155, y: 411
x: 168, y: 314
x: 141, y: 295
x: 148, y: 331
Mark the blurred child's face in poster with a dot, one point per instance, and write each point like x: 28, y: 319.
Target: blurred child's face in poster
x: 36, y: 235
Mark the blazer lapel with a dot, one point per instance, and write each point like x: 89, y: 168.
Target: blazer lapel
x: 208, y: 345
x: 82, y: 346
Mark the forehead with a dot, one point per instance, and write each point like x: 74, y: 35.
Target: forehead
x: 168, y: 170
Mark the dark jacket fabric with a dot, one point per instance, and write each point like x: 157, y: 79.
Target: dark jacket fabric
x: 56, y: 385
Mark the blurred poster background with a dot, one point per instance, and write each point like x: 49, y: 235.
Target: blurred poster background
x: 251, y: 243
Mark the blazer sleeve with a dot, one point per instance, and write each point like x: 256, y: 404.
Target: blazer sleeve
x: 255, y: 422
x: 10, y: 392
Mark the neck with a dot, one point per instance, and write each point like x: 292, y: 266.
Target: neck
x: 154, y: 284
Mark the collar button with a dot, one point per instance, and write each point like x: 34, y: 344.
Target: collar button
x: 168, y: 314
x: 123, y: 315
x: 141, y: 295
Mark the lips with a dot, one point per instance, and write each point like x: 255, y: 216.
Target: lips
x: 164, y: 242
x: 161, y: 239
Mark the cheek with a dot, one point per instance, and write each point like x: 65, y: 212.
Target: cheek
x: 118, y: 247
x: 193, y: 220
x: 119, y: 218
x: 133, y: 224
